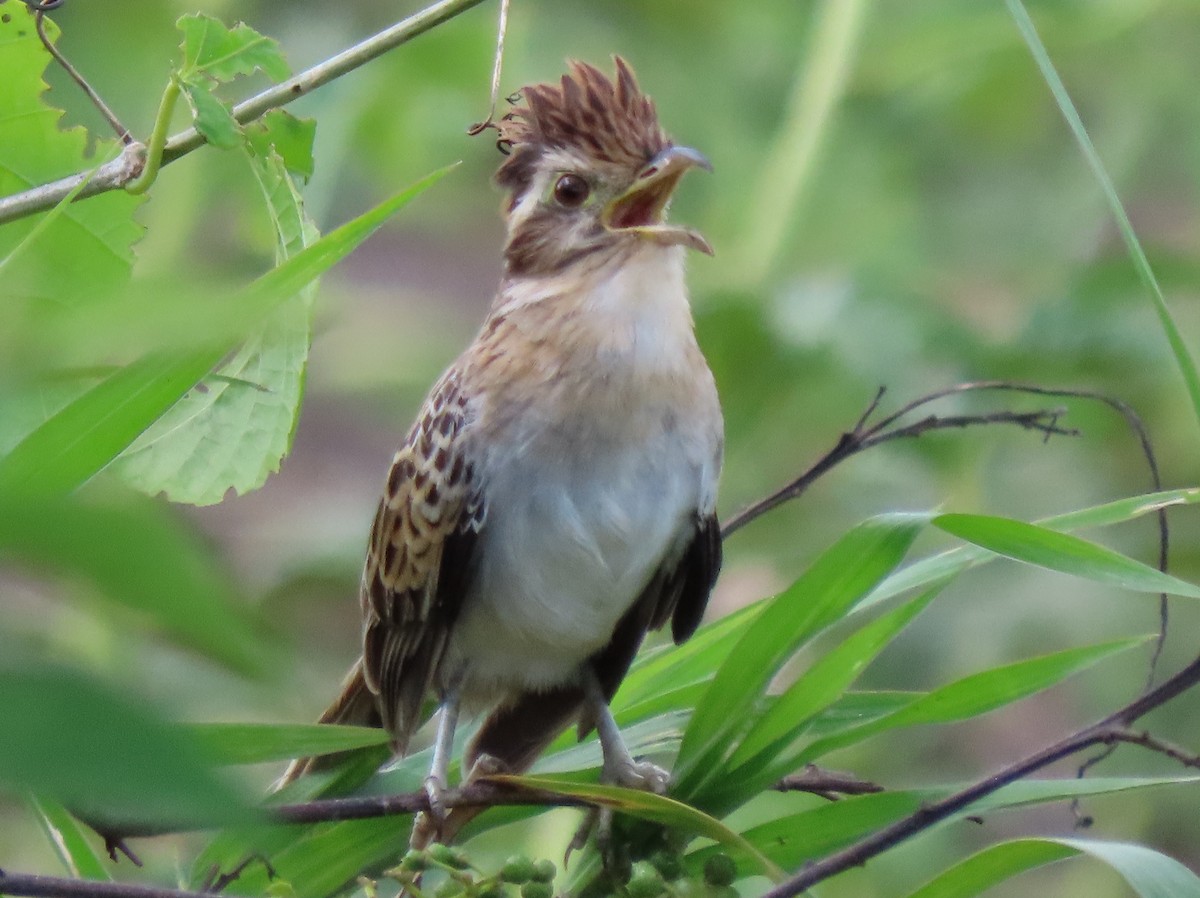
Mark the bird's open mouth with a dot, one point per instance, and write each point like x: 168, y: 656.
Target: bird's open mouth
x: 640, y: 210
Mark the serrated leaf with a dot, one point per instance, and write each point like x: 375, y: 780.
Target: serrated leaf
x: 211, y: 116
x: 233, y: 434
x: 221, y: 53
x: 834, y: 582
x: 104, y: 753
x: 1151, y: 874
x: 1061, y: 552
x: 85, y: 436
x: 254, y: 743
x: 87, y: 251
x: 292, y: 138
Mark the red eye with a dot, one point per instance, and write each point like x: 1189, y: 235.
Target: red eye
x: 571, y: 190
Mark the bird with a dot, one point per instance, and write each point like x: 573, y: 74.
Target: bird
x: 555, y: 499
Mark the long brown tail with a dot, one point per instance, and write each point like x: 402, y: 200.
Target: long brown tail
x: 511, y: 739
x: 355, y: 706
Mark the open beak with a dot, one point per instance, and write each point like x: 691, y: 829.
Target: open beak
x: 640, y: 209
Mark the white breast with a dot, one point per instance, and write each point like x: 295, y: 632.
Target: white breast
x: 588, y: 493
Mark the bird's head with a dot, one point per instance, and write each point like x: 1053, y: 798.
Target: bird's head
x: 590, y: 170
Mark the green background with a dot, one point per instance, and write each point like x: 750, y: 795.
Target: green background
x: 937, y: 225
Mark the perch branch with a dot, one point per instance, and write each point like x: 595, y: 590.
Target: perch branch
x: 119, y: 172
x: 1114, y: 727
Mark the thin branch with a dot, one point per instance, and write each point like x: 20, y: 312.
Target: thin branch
x: 31, y: 884
x: 828, y: 784
x: 114, y: 176
x: 109, y: 116
x: 1147, y: 740
x: 1114, y: 727
x: 501, y: 32
x: 863, y: 437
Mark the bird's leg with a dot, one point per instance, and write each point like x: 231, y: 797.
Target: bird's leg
x: 428, y: 825
x: 619, y: 769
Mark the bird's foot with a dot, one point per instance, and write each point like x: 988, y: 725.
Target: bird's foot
x: 487, y: 765
x: 631, y: 774
x: 427, y: 826
x: 624, y: 771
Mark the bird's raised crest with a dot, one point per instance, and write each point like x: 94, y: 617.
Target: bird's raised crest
x: 611, y: 120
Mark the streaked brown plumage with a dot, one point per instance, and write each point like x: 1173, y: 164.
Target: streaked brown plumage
x: 555, y: 499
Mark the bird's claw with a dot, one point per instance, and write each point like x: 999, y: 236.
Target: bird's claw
x: 644, y: 775
x: 427, y: 826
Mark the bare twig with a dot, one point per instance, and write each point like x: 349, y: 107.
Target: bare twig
x: 109, y: 116
x: 828, y: 784
x: 1114, y: 727
x: 501, y: 31
x: 1147, y: 740
x: 864, y: 437
x: 118, y: 173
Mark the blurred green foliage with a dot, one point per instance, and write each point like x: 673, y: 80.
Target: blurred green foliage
x: 897, y: 202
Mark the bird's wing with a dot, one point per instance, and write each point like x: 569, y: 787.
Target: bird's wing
x: 678, y: 592
x: 419, y: 559
x: 689, y: 584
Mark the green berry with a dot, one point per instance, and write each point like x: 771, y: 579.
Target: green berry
x: 667, y: 864
x: 448, y: 889
x: 536, y: 889
x: 544, y: 871
x: 645, y: 881
x: 455, y: 858
x: 720, y: 870
x: 415, y: 861
x: 517, y: 869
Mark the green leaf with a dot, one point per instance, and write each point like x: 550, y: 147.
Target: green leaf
x: 764, y: 754
x: 978, y: 693
x: 211, y: 116
x: 85, y: 436
x: 1183, y: 356
x: 221, y: 53
x: 234, y: 434
x: 33, y: 150
x: 254, y: 743
x: 922, y: 573
x: 795, y: 839
x: 104, y: 754
x: 1151, y: 874
x: 169, y: 579
x: 657, y: 808
x: 1062, y: 552
x: 291, y: 138
x: 78, y: 441
x: 68, y: 840
x: 669, y: 666
x: 834, y: 582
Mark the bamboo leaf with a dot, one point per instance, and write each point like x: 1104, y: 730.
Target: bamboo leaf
x: 1151, y: 874
x: 1043, y: 547
x: 978, y: 693
x: 834, y: 582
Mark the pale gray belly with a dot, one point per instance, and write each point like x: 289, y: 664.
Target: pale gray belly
x: 568, y: 545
